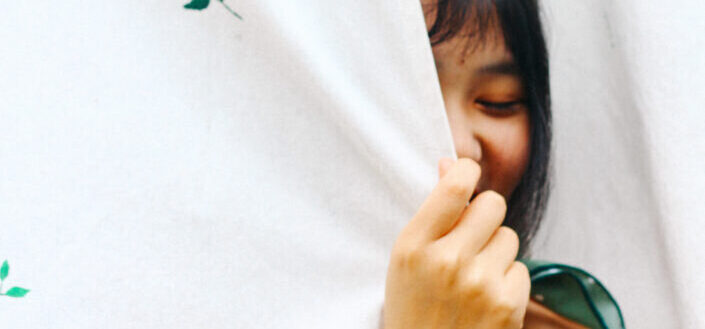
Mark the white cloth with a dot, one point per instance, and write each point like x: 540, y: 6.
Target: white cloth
x: 627, y: 81
x: 169, y: 168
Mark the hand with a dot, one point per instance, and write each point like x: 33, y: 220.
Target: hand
x: 541, y: 317
x: 453, y: 266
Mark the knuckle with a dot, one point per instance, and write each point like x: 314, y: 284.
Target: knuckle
x: 507, y: 305
x: 522, y: 269
x: 475, y: 283
x: 406, y: 255
x: 472, y: 167
x: 509, y: 322
x: 495, y: 199
x: 446, y: 264
x: 523, y: 272
x: 458, y: 189
x: 510, y: 236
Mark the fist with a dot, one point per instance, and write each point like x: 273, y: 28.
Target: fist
x: 453, y: 265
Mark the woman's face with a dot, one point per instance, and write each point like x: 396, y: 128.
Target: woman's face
x: 484, y: 100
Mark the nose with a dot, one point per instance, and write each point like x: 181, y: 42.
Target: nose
x: 466, y: 135
x: 467, y: 145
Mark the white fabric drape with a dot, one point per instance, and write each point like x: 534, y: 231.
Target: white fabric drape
x: 630, y: 153
x: 171, y: 168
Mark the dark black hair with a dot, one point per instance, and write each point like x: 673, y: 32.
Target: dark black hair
x: 521, y: 27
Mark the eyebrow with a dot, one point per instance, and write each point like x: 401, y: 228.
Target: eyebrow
x: 499, y: 68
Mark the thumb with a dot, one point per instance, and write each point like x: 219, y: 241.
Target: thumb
x: 444, y: 165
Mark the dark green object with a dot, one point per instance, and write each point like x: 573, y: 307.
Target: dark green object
x: 203, y: 4
x: 197, y: 4
x: 574, y: 294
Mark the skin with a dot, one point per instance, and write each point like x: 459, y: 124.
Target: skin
x: 453, y: 265
x: 483, y: 96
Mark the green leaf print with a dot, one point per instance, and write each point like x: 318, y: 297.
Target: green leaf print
x: 17, y: 292
x: 4, y: 270
x: 203, y: 4
x: 197, y: 4
x: 14, y: 291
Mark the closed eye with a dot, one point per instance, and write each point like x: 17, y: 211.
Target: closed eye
x: 504, y: 107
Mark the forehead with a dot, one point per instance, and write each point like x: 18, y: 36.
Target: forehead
x: 479, y: 40
x: 472, y: 52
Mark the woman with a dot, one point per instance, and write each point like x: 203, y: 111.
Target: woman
x: 454, y: 264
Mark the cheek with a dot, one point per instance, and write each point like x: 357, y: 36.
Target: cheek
x: 507, y: 152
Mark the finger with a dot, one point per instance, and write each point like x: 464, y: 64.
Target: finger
x: 499, y: 253
x: 443, y: 166
x: 443, y: 206
x: 518, y: 285
x: 477, y: 224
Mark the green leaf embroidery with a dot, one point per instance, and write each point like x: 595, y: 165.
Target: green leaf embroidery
x: 197, y: 4
x: 14, y: 291
x: 203, y: 4
x: 17, y: 292
x: 4, y: 270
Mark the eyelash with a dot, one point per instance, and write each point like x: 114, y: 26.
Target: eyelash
x: 504, y: 107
